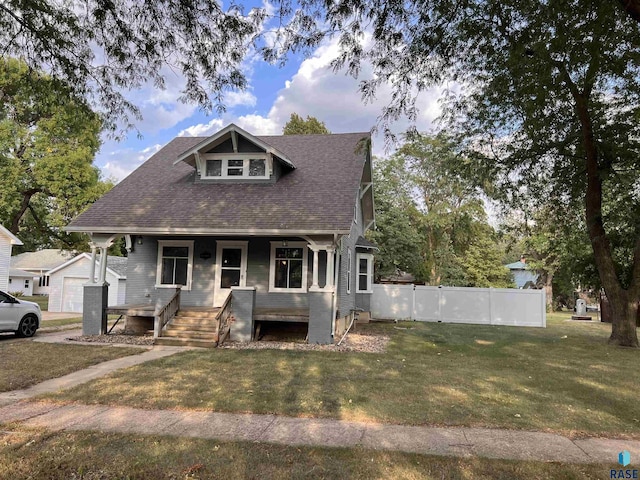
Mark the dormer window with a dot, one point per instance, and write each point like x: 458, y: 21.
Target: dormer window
x: 240, y: 166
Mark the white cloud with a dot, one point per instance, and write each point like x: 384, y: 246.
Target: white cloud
x: 234, y: 99
x: 120, y: 163
x: 258, y: 125
x: 202, y: 129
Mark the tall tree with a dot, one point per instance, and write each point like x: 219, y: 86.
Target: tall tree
x: 547, y: 93
x: 48, y: 139
x: 100, y: 48
x: 299, y: 126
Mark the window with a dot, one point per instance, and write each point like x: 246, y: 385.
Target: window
x: 348, y: 270
x: 175, y: 263
x: 43, y: 281
x: 288, y: 269
x: 365, y: 273
x: 236, y: 166
x: 9, y: 281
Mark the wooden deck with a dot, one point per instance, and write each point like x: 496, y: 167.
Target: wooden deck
x: 259, y: 314
x: 281, y: 315
x: 132, y: 310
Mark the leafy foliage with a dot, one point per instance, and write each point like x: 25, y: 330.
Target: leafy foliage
x: 299, y: 126
x: 431, y: 220
x: 48, y: 139
x: 100, y: 48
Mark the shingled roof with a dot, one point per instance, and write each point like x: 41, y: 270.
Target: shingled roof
x: 160, y: 197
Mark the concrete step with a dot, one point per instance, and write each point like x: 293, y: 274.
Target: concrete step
x: 208, y: 336
x: 184, y: 342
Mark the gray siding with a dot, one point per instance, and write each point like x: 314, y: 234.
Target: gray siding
x: 141, y: 274
x: 347, y: 301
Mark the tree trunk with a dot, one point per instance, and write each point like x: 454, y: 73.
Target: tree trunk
x: 624, y: 303
x: 548, y: 291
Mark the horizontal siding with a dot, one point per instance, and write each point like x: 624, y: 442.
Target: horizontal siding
x: 79, y: 269
x: 141, y: 273
x: 5, y: 262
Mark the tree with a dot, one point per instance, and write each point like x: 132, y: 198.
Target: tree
x: 547, y: 94
x: 431, y: 220
x: 100, y: 48
x: 298, y: 126
x: 48, y: 139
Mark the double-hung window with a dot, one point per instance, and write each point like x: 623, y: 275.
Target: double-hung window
x: 175, y: 263
x: 365, y: 273
x: 288, y: 269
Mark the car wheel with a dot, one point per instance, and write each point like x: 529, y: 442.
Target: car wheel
x: 28, y: 326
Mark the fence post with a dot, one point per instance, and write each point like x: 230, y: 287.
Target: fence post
x: 440, y: 303
x: 491, y: 306
x: 412, y: 314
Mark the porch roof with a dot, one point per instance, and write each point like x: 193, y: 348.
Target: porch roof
x: 162, y: 198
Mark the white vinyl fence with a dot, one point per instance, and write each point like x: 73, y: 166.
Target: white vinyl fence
x: 488, y: 306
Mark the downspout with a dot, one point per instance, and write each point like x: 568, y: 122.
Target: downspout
x: 336, y: 276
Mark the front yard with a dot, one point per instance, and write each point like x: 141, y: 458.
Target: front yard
x: 41, y: 455
x: 27, y: 363
x: 564, y: 378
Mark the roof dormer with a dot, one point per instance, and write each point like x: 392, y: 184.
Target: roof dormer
x: 232, y: 154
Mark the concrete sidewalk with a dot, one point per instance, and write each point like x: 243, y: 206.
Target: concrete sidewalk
x: 459, y: 442
x: 87, y: 374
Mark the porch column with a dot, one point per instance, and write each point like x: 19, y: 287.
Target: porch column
x: 314, y: 283
x: 92, y: 272
x: 103, y: 264
x: 330, y: 264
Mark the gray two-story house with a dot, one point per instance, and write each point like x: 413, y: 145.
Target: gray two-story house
x: 268, y: 228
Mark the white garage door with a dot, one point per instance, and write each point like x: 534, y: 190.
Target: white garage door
x: 72, y: 291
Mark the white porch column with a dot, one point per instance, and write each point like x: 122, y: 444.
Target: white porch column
x: 330, y: 264
x: 314, y: 283
x: 103, y: 264
x: 92, y: 272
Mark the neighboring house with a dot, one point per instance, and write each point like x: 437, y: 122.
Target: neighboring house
x: 67, y: 281
x: 275, y: 218
x: 7, y: 241
x: 39, y: 264
x: 21, y: 281
x: 523, y: 277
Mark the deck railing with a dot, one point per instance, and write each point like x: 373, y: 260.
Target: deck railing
x: 224, y: 318
x: 165, y: 313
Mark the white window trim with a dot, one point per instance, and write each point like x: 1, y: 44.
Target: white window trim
x: 246, y: 157
x: 174, y: 243
x: 349, y: 269
x: 369, y: 273
x: 272, y: 267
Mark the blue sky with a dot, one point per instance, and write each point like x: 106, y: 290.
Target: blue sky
x: 307, y: 86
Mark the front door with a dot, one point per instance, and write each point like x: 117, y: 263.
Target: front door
x: 231, y: 269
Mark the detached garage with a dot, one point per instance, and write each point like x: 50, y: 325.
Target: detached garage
x: 67, y: 281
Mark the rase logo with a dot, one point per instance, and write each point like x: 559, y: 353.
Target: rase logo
x: 624, y: 459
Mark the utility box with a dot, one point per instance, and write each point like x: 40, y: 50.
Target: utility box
x: 581, y: 307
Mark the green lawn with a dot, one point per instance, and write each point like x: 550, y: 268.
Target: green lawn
x: 27, y: 363
x: 41, y: 300
x: 41, y: 455
x: 564, y: 378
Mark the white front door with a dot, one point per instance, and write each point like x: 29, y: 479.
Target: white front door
x: 231, y: 269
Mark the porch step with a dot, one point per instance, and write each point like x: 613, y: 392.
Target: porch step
x: 185, y: 342
x: 191, y: 334
x: 193, y: 321
x: 178, y: 327
x: 197, y: 313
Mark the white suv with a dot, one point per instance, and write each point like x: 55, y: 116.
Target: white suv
x: 19, y: 316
